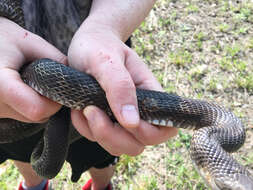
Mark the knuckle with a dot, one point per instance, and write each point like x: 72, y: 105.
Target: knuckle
x: 32, y: 37
x: 36, y: 114
x: 100, y: 60
x: 103, y: 56
x: 126, y: 82
x: 122, y: 88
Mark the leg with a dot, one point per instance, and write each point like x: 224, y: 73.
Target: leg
x: 101, y: 177
x: 30, y: 177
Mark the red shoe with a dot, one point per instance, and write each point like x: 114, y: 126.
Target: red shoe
x: 87, y: 186
x: 46, y: 187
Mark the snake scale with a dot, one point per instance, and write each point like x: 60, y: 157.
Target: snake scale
x: 217, y: 131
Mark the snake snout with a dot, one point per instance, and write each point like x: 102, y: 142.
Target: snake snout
x: 242, y: 182
x: 245, y: 182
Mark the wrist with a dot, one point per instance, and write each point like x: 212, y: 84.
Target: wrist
x: 94, y: 26
x: 119, y: 17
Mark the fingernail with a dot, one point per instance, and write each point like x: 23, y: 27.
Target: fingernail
x: 130, y: 114
x: 87, y: 112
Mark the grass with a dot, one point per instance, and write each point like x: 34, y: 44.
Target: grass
x: 9, y: 176
x: 180, y: 57
x: 197, y: 49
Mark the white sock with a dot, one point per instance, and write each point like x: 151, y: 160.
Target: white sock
x: 40, y: 186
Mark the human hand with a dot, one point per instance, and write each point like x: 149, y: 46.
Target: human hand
x: 119, y: 70
x: 17, y: 100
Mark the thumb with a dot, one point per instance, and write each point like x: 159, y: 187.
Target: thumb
x: 111, y: 73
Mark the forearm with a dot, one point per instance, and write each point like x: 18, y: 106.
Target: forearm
x: 119, y: 16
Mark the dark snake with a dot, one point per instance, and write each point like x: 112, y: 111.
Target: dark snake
x: 217, y: 131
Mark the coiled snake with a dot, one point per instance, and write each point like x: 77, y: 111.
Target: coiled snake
x: 217, y: 131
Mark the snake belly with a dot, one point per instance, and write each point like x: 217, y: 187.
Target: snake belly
x: 217, y: 131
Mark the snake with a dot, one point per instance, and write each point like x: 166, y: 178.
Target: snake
x: 217, y: 132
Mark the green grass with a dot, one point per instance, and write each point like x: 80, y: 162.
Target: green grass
x: 186, y: 176
x: 9, y: 176
x: 198, y: 49
x: 180, y: 57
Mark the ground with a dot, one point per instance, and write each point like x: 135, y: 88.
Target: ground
x: 196, y: 49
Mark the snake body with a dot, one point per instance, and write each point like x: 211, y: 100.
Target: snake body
x: 217, y: 131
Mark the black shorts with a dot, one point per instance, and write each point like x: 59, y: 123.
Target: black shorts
x: 82, y: 155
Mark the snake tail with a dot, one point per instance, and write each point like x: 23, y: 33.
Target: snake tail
x: 52, y: 150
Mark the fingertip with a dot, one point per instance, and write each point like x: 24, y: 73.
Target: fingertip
x: 151, y: 135
x: 165, y: 132
x: 88, y: 112
x: 104, y: 133
x: 81, y: 124
x: 99, y: 123
x: 93, y: 114
x: 173, y: 132
x: 96, y: 118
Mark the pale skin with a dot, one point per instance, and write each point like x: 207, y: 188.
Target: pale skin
x: 98, y: 49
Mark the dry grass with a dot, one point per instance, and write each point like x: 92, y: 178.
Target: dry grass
x: 198, y: 49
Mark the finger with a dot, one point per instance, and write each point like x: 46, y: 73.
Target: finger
x: 24, y: 99
x: 81, y: 124
x: 119, y: 87
x: 111, y: 136
x: 151, y: 135
x: 19, y: 97
x: 24, y: 46
x: 36, y: 47
x: 7, y: 112
x: 142, y: 76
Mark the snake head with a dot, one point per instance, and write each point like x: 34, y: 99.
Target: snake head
x: 240, y: 182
